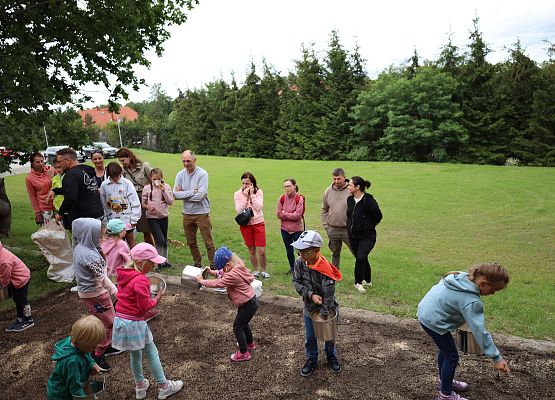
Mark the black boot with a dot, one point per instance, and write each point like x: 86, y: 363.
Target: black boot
x: 309, y: 367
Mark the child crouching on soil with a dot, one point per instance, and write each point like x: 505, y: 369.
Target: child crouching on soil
x: 131, y: 331
x: 314, y: 279
x: 74, y: 363
x: 15, y: 275
x: 449, y: 304
x: 237, y: 279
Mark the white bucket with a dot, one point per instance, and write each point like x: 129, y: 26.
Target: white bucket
x: 257, y: 287
x: 189, y: 276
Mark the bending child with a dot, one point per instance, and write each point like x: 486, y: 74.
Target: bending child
x: 131, y: 331
x: 449, y: 304
x: 314, y: 279
x: 15, y: 275
x: 237, y: 279
x: 93, y: 285
x: 74, y: 363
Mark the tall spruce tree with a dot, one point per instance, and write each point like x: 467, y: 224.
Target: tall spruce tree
x: 300, y: 109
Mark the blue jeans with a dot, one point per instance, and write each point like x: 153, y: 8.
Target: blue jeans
x: 289, y: 238
x: 153, y: 359
x: 311, y: 343
x: 447, y: 358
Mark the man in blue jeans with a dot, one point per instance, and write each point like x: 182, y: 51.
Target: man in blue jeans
x: 314, y: 279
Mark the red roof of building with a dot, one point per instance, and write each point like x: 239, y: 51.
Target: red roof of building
x: 101, y: 116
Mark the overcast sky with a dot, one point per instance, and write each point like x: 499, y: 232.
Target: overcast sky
x: 222, y: 36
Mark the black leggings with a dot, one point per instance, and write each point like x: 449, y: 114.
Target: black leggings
x: 20, y: 300
x: 361, y: 249
x: 241, y: 326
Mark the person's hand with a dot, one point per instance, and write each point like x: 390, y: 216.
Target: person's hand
x: 502, y: 366
x: 58, y: 218
x: 39, y: 219
x: 50, y: 196
x: 316, y: 299
x: 95, y: 370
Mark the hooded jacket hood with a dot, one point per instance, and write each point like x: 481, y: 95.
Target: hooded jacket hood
x: 64, y: 349
x: 86, y: 232
x: 460, y: 283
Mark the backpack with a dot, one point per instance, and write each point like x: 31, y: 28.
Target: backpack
x: 297, y: 199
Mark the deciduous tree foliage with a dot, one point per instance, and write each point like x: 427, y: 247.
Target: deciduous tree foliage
x: 49, y: 49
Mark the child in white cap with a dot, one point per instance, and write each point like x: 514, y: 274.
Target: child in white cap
x: 237, y: 279
x: 131, y: 331
x: 314, y: 279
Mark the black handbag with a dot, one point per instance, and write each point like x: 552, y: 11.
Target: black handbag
x: 244, y: 216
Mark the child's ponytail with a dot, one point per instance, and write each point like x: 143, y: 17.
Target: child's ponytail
x: 492, y: 272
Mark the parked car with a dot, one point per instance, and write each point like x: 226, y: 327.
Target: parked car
x: 50, y: 154
x: 107, y: 150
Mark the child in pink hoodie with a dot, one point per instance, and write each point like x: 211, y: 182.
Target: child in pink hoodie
x: 115, y: 247
x: 15, y: 275
x: 237, y: 279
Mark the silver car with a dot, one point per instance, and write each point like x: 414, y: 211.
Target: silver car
x: 50, y: 154
x: 107, y: 150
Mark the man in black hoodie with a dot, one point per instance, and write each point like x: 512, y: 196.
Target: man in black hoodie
x: 81, y: 197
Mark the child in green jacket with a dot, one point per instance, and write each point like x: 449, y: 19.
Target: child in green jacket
x: 74, y: 363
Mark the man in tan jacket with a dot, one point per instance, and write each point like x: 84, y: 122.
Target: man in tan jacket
x: 334, y: 214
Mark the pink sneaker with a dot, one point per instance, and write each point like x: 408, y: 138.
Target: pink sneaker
x: 250, y: 346
x: 238, y: 356
x: 457, y: 386
x: 452, y: 396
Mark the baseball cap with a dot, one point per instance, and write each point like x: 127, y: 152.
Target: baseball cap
x: 146, y: 251
x: 308, y: 239
x: 222, y: 257
x: 115, y: 226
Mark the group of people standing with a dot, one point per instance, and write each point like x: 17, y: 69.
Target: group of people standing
x: 135, y: 192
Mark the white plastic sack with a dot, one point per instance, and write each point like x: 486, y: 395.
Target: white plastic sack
x: 55, y: 246
x: 257, y: 287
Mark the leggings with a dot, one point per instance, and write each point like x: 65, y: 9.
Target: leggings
x: 153, y: 359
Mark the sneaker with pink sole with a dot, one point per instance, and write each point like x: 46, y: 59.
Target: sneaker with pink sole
x: 457, y: 386
x: 172, y: 387
x: 238, y: 356
x: 141, y: 388
x: 452, y: 396
x: 250, y: 346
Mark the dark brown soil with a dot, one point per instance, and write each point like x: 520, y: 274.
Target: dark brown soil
x: 194, y: 336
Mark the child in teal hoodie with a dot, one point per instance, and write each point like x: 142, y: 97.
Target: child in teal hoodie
x: 74, y: 363
x: 449, y: 304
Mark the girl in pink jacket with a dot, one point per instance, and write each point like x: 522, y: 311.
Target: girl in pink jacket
x: 254, y: 234
x: 15, y: 275
x: 237, y: 279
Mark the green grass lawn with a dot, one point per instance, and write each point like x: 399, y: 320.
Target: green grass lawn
x: 437, y: 218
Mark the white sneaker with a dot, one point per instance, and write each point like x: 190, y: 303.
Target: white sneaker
x: 222, y: 290
x: 73, y: 289
x: 140, y: 393
x: 360, y: 288
x: 255, y: 274
x: 173, y: 388
x: 265, y: 275
x: 364, y: 283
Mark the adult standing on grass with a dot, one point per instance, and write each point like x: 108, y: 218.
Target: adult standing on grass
x: 97, y: 158
x: 289, y: 211
x: 334, y: 217
x: 138, y: 172
x: 81, y: 197
x: 191, y: 186
x: 363, y: 214
x: 39, y: 183
x: 254, y: 233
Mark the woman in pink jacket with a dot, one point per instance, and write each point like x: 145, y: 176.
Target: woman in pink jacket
x: 289, y: 211
x: 15, y: 275
x: 237, y: 279
x: 254, y: 234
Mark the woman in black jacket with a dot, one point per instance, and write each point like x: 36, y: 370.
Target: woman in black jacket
x: 363, y: 214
